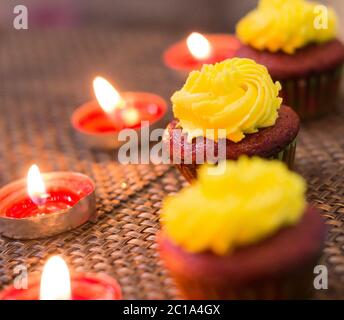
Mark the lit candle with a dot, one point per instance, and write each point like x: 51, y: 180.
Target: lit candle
x: 198, y: 49
x: 56, y: 283
x: 45, y: 205
x: 39, y: 201
x: 199, y: 46
x: 100, y: 121
x: 36, y: 187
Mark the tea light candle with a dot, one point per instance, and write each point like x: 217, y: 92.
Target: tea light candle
x: 45, y: 204
x: 56, y: 283
x: 100, y: 121
x: 191, y: 53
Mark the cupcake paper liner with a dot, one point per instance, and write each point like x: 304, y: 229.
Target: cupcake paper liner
x: 313, y: 96
x: 189, y: 171
x: 295, y: 285
x: 287, y: 155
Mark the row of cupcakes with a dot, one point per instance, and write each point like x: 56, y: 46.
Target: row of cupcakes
x: 244, y: 230
x: 297, y: 40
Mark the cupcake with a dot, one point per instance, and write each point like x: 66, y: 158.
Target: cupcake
x: 226, y: 110
x: 246, y: 233
x: 297, y: 41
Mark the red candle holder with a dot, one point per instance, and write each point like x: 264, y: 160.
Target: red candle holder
x: 178, y: 57
x: 69, y: 203
x: 101, y: 132
x: 85, y: 286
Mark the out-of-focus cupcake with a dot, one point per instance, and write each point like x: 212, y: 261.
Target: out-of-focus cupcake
x: 297, y: 41
x: 227, y: 110
x: 243, y: 233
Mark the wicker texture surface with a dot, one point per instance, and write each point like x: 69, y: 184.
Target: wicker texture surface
x: 44, y: 76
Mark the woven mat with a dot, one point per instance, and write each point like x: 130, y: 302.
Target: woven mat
x: 44, y: 75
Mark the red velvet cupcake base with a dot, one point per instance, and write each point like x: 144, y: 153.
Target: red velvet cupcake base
x: 289, y: 287
x: 189, y: 171
x: 278, y: 268
x: 313, y: 96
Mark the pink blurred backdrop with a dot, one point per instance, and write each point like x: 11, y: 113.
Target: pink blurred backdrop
x: 210, y: 15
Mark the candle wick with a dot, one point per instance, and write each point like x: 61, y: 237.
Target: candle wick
x: 40, y: 201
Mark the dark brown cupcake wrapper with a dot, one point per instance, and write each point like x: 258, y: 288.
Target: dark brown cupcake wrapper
x: 313, y: 96
x: 296, y: 285
x: 287, y: 155
x: 189, y: 171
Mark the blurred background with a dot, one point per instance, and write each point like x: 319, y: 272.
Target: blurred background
x: 209, y: 15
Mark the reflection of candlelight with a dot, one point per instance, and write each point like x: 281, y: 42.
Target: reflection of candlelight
x: 35, y: 186
x: 199, y: 46
x: 130, y: 116
x: 55, y: 281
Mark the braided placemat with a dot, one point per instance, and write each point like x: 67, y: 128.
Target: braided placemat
x: 44, y: 75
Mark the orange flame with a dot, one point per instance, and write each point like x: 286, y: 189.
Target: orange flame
x: 199, y: 46
x: 55, y: 281
x: 35, y: 186
x: 108, y: 97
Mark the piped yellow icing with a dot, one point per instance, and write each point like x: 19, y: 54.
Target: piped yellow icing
x: 236, y: 95
x: 287, y: 25
x: 252, y: 200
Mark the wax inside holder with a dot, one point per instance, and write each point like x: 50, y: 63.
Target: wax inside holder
x: 56, y: 200
x: 96, y: 121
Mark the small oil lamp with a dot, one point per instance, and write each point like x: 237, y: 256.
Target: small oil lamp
x: 56, y: 283
x: 46, y: 204
x: 198, y: 49
x: 100, y: 121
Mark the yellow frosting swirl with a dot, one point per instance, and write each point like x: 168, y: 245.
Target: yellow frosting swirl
x: 252, y: 200
x: 237, y: 96
x: 287, y: 25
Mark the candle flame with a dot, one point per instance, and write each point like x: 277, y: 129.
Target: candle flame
x: 107, y: 96
x: 35, y: 186
x: 55, y: 281
x: 199, y: 46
